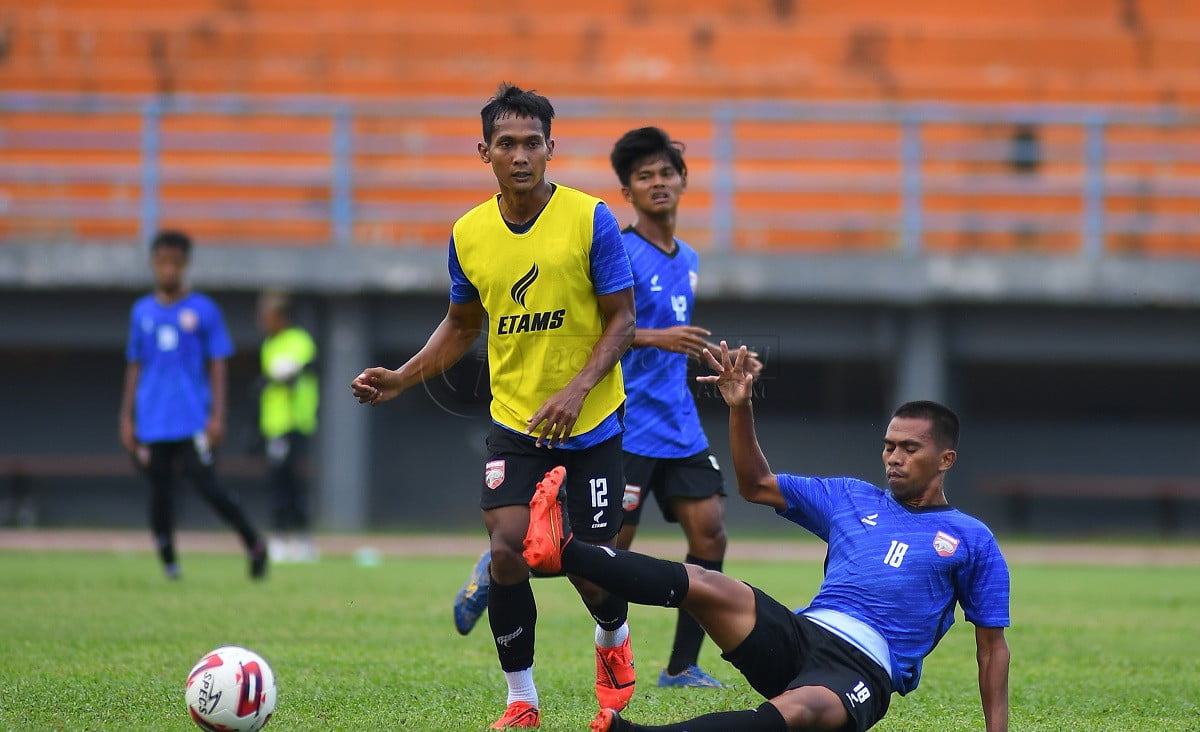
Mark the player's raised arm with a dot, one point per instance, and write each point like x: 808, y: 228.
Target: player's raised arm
x: 446, y: 345
x: 756, y: 482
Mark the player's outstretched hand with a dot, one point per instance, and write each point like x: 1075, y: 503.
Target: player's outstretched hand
x: 754, y: 365
x: 376, y: 385
x: 733, y: 379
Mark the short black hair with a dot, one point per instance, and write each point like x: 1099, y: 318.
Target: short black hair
x: 644, y: 142
x: 174, y: 239
x: 511, y: 99
x: 944, y: 421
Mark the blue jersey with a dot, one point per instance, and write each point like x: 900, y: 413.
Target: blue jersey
x: 900, y: 570
x: 660, y: 412
x: 173, y: 345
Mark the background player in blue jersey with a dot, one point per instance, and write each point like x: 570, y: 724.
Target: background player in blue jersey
x: 542, y: 264
x: 172, y: 415
x: 666, y: 451
x: 899, y: 562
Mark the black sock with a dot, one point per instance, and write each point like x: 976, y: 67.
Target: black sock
x: 688, y: 634
x: 166, y: 548
x: 636, y: 577
x: 512, y: 613
x: 764, y: 719
x: 612, y: 613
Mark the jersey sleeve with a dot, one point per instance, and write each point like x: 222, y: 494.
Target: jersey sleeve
x: 809, y: 502
x: 983, y: 585
x: 693, y: 261
x: 217, y: 343
x: 611, y: 271
x: 461, y: 289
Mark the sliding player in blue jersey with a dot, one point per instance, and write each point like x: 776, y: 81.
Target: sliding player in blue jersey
x: 666, y: 451
x: 900, y: 559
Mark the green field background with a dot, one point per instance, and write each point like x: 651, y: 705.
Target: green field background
x: 101, y: 641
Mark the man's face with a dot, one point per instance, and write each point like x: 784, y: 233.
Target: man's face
x: 517, y: 152
x: 911, y: 458
x: 654, y: 186
x: 270, y: 319
x: 168, y: 265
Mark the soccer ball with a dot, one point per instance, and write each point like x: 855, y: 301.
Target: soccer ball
x: 230, y: 689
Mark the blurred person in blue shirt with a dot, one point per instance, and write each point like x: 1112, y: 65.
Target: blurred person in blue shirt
x: 172, y: 415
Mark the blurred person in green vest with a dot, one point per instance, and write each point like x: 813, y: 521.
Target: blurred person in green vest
x: 287, y: 421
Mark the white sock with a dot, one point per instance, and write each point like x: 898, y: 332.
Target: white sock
x: 611, y: 638
x: 521, y: 687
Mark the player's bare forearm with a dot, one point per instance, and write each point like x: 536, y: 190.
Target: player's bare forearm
x: 446, y: 345
x: 620, y: 325
x: 687, y: 339
x: 125, y: 423
x: 218, y: 380
x: 756, y: 483
x: 644, y: 337
x: 993, y: 657
x: 129, y: 389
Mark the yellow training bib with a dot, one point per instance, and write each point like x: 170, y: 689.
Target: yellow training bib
x: 543, y: 316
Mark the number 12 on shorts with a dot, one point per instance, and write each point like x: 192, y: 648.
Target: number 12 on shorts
x: 599, y: 488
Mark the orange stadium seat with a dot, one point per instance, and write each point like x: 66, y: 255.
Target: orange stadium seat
x: 796, y: 186
x: 1057, y: 50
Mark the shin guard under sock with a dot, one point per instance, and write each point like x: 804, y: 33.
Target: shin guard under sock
x: 636, y: 577
x: 610, y: 614
x: 512, y: 614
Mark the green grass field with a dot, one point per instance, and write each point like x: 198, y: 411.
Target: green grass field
x: 97, y: 641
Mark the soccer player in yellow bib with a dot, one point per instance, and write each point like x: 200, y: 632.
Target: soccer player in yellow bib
x: 544, y: 266
x: 287, y: 420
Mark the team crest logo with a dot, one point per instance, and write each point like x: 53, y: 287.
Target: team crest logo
x: 693, y: 279
x: 521, y: 287
x: 632, y: 498
x: 188, y: 320
x: 944, y: 544
x: 493, y: 474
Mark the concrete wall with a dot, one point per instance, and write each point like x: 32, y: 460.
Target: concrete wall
x: 1043, y: 387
